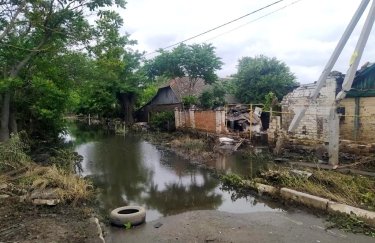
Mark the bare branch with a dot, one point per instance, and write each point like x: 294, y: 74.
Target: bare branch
x: 12, y: 21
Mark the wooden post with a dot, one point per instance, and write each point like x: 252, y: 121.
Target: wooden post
x: 89, y: 120
x: 124, y: 128
x: 250, y: 118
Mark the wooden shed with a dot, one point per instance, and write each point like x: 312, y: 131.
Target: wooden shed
x: 170, y: 97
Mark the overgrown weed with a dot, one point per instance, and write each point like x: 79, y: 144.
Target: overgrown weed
x: 350, y: 223
x: 67, y: 186
x: 355, y: 190
x: 190, y: 145
x: 12, y: 154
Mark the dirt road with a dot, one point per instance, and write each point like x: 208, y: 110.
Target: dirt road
x: 215, y: 226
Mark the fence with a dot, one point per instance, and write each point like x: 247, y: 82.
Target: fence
x: 207, y: 121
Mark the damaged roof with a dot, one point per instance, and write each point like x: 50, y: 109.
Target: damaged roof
x: 364, y: 82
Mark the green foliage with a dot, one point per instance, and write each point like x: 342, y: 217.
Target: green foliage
x: 270, y: 101
x: 189, y: 100
x: 232, y: 180
x: 194, y: 61
x: 162, y: 120
x: 66, y: 159
x: 128, y: 225
x: 13, y: 154
x: 214, y: 97
x: 115, y: 71
x: 354, y: 190
x: 258, y: 76
x: 54, y: 60
x: 350, y: 223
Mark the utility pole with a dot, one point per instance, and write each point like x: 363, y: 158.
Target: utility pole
x: 333, y: 119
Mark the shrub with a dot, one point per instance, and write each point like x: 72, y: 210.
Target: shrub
x: 162, y: 120
x: 12, y: 154
x: 189, y: 100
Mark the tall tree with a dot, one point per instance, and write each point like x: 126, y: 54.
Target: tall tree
x: 194, y: 61
x: 117, y: 77
x: 32, y: 29
x: 257, y: 76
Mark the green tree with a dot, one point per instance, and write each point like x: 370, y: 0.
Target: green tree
x: 213, y: 97
x: 31, y: 31
x: 257, y: 76
x: 194, y: 61
x: 114, y: 87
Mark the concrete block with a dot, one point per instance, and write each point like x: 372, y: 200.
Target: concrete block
x: 366, y: 216
x: 270, y: 190
x: 304, y: 198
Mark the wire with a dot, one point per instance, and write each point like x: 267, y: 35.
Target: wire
x: 217, y: 27
x: 261, y: 17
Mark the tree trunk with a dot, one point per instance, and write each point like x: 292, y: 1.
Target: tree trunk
x: 13, y: 119
x: 127, y: 101
x: 4, y: 128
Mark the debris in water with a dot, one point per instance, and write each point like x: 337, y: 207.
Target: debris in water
x: 158, y: 225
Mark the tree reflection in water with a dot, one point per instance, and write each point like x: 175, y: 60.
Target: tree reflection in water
x: 131, y: 171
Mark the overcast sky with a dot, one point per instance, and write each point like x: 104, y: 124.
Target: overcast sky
x: 302, y: 35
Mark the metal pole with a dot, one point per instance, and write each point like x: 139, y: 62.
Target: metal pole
x: 331, y: 62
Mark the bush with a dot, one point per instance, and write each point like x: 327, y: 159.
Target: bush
x: 213, y: 97
x: 12, y: 154
x: 189, y: 100
x: 162, y: 120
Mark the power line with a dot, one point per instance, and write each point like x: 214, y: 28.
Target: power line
x: 261, y: 17
x: 217, y: 27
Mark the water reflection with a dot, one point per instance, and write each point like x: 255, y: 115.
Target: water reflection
x: 132, y: 171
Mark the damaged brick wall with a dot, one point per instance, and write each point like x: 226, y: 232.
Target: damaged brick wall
x: 314, y: 125
x: 357, y: 125
x: 207, y: 121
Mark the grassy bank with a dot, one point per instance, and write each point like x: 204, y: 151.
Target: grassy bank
x: 19, y: 172
x: 354, y: 190
x: 23, y: 181
x: 347, y: 189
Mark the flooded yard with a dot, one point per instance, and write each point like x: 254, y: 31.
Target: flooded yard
x: 132, y: 171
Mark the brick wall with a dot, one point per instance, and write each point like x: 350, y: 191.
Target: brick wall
x: 205, y: 120
x: 314, y: 125
x: 208, y: 121
x: 358, y: 127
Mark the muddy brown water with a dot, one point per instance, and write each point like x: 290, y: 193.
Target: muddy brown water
x: 132, y: 171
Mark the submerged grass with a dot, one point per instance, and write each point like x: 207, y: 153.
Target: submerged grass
x: 355, y: 190
x: 191, y: 146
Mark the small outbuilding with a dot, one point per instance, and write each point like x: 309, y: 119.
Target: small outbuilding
x: 170, y: 97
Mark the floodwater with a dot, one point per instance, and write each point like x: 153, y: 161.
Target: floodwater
x: 132, y: 171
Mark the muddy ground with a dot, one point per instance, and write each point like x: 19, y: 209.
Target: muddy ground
x: 24, y: 222
x: 215, y: 226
